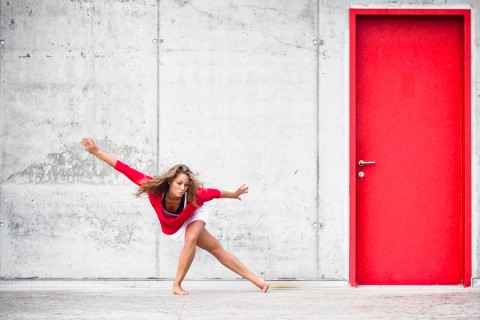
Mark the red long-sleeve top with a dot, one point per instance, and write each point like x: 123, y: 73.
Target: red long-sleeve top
x: 169, y: 225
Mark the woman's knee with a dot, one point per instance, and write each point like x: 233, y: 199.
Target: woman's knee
x: 190, y: 240
x: 193, y: 232
x: 217, y: 251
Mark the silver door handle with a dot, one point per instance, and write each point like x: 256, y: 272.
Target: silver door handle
x: 361, y: 163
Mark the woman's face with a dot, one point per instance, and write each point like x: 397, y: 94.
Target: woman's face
x: 179, y: 185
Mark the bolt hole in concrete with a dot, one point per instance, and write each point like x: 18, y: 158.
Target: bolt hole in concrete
x: 2, y: 42
x: 1, y: 224
x: 318, y: 225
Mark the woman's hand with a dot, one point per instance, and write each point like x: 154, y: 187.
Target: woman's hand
x: 235, y: 194
x: 90, y: 146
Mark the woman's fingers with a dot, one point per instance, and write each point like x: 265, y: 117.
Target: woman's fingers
x: 242, y: 190
x: 88, y: 142
x: 89, y: 145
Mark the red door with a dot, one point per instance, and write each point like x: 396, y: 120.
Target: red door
x: 409, y: 104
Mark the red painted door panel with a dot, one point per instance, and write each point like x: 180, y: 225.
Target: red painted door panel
x: 409, y: 121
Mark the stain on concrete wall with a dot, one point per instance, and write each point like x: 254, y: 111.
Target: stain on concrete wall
x: 75, y: 166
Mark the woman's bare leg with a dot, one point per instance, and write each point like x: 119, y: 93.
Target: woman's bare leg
x: 209, y: 243
x: 187, y: 254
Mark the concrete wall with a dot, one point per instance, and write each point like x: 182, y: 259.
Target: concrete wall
x: 244, y: 91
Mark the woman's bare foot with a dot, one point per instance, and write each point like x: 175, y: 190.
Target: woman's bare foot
x: 177, y: 289
x: 263, y: 285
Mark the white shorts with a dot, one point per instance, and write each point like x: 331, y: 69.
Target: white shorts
x: 200, y: 214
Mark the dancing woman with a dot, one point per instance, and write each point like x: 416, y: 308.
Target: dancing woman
x: 177, y: 197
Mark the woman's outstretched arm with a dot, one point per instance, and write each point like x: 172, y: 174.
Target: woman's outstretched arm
x: 90, y: 146
x: 135, y: 176
x: 234, y: 194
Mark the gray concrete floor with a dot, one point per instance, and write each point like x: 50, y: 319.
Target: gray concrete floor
x: 238, y: 300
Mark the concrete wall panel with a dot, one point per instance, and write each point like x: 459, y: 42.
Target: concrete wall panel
x: 333, y: 141
x: 238, y: 103
x: 61, y: 62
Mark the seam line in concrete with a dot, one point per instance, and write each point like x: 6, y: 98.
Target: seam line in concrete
x: 92, y: 31
x: 157, y: 90
x: 317, y: 118
x: 1, y: 121
x: 183, y: 307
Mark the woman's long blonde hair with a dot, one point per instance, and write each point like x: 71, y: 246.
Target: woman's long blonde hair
x: 160, y: 184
